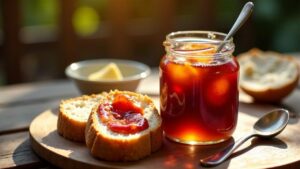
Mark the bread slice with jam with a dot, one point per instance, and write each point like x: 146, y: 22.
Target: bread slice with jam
x: 73, y: 115
x: 124, y: 126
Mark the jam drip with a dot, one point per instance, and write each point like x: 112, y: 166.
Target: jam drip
x: 122, y: 116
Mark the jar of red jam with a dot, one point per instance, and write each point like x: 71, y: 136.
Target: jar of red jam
x: 198, y: 87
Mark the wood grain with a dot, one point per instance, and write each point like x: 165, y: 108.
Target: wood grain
x: 11, y: 14
x: 19, y: 104
x: 28, y: 93
x: 19, y: 117
x: 282, y: 151
x: 15, y: 151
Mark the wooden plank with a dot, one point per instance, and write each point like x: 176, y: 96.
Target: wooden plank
x: 49, y: 166
x: 150, y: 85
x: 12, y: 47
x: 15, y: 151
x: 290, y: 103
x: 24, y: 102
x: 119, y: 41
x: 19, y: 117
x: 67, y: 36
x: 45, y: 91
x: 25, y: 93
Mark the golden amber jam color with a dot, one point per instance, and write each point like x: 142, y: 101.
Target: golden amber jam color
x: 199, y: 100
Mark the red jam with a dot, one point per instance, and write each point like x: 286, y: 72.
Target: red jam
x: 122, y: 116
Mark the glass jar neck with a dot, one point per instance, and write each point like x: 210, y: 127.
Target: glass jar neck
x: 198, y: 46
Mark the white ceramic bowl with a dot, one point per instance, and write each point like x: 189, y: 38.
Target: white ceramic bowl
x: 132, y: 71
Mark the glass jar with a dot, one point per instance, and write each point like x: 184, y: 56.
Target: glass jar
x: 198, y: 87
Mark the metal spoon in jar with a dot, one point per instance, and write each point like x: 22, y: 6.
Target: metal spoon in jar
x: 243, y: 16
x: 267, y: 126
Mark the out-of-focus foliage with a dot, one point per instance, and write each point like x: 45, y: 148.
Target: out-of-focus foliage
x: 277, y: 25
x: 39, y: 12
x: 276, y: 22
x: 274, y: 25
x: 86, y: 20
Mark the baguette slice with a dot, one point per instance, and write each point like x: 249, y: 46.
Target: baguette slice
x: 73, y: 116
x: 113, y: 146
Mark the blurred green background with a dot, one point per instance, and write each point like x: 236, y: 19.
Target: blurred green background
x: 274, y: 25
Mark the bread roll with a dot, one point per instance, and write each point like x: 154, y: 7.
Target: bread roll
x: 268, y: 76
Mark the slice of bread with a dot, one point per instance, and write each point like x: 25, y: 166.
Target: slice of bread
x: 268, y: 76
x: 73, y: 116
x: 114, y: 146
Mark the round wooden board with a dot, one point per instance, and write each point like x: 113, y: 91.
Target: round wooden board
x: 282, y: 151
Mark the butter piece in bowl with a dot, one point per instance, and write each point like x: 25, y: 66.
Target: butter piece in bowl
x: 95, y: 76
x: 109, y: 72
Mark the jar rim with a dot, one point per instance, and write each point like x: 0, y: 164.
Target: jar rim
x: 175, y: 42
x: 210, y: 36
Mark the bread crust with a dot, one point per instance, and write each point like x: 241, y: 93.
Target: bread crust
x: 118, y: 149
x: 69, y: 127
x: 271, y: 95
x: 156, y: 136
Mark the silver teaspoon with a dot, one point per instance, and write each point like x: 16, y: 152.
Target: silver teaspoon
x: 243, y: 16
x: 267, y: 126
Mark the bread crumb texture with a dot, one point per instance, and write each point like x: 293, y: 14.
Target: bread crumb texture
x: 73, y: 116
x: 263, y: 70
x: 113, y: 146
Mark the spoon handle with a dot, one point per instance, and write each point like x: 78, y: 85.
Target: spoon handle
x: 243, y: 16
x: 221, y: 156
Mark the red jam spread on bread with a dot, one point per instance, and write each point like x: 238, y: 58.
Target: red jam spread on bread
x: 122, y: 116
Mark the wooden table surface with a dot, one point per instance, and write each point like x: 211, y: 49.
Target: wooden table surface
x: 19, y: 104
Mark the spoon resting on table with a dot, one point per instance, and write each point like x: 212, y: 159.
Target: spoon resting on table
x: 267, y: 126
